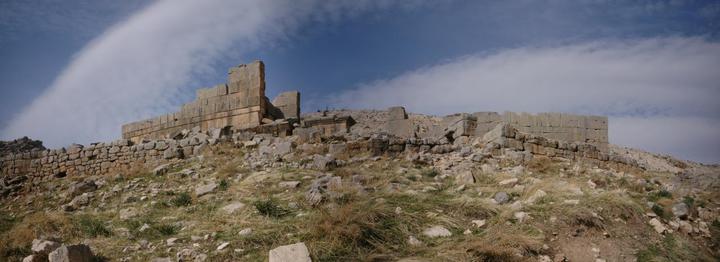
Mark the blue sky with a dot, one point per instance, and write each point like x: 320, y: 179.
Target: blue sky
x: 73, y: 71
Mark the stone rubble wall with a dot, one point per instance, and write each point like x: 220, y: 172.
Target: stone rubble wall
x: 241, y: 103
x: 101, y: 158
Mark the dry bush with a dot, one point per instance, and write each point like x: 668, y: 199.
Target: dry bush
x: 356, y: 228
x: 37, y: 225
x: 502, y: 244
x: 540, y: 164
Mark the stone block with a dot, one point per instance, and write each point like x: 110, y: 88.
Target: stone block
x: 397, y: 113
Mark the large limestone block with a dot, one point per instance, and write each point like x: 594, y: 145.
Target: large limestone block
x: 288, y: 103
x: 401, y: 128
x: 397, y: 113
x: 250, y: 76
x: 297, y: 252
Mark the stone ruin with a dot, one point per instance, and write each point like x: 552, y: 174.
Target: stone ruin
x: 239, y: 112
x: 240, y: 104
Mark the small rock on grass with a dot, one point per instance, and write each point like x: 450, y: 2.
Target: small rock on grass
x: 437, y: 231
x: 297, y: 252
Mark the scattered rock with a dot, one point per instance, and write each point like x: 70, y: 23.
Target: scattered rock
x: 437, y: 231
x: 680, y: 210
x: 501, y: 198
x: 82, y: 187
x: 161, y: 170
x: 413, y: 241
x: 478, y: 223
x: 521, y: 216
x: 205, y: 189
x: 72, y: 253
x: 321, y: 162
x: 245, y: 232
x: 44, y: 246
x: 658, y: 226
x: 223, y: 246
x: 232, y: 207
x: 297, y: 252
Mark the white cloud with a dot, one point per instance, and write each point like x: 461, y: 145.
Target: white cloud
x: 136, y: 68
x: 661, y: 94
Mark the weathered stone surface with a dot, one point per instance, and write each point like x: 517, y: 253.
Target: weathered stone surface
x: 44, y: 246
x: 161, y: 170
x: 322, y: 162
x: 232, y: 207
x: 464, y: 178
x: 72, y: 253
x: 82, y: 187
x: 297, y: 252
x: 501, y: 198
x: 658, y: 226
x: 205, y: 189
x: 680, y: 210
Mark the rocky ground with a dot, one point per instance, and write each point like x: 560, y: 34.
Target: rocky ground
x: 276, y: 199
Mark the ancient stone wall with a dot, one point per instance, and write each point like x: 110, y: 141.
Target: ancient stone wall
x: 241, y: 103
x: 558, y: 126
x: 102, y: 158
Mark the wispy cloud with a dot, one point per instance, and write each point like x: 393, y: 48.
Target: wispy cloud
x: 137, y: 68
x: 661, y: 93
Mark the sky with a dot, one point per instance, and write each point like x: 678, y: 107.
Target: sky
x: 73, y: 71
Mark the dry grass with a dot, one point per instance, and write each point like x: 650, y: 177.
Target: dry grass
x: 17, y: 240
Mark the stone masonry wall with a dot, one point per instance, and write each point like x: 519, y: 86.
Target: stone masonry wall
x: 558, y: 126
x: 101, y: 158
x: 241, y: 103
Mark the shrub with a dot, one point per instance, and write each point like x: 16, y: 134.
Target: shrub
x: 167, y: 230
x: 183, y: 199
x: 270, y: 208
x: 223, y: 185
x: 91, y: 227
x: 658, y: 210
x: 430, y: 172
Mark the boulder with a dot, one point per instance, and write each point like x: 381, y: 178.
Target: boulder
x: 297, y: 252
x: 324, y: 162
x: 72, y: 253
x: 658, y: 226
x: 44, y: 246
x: 680, y: 210
x: 82, y: 187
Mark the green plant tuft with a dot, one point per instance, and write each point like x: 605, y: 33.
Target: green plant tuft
x: 270, y: 208
x: 183, y: 199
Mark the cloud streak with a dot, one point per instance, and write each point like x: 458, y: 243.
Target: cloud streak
x: 661, y: 93
x: 138, y: 68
